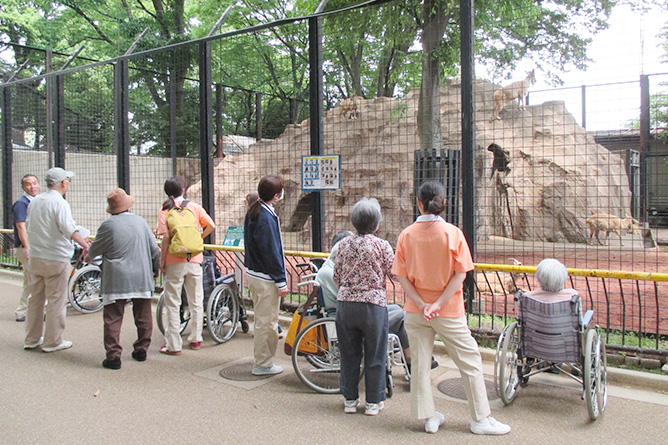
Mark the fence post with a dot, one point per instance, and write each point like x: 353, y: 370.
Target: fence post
x: 59, y: 121
x: 468, y: 137
x: 644, y: 142
x: 122, y: 127
x: 316, y: 127
x: 172, y: 112
x: 206, y: 129
x: 49, y: 109
x: 7, y: 155
x: 258, y: 116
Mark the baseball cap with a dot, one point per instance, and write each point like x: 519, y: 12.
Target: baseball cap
x: 57, y: 174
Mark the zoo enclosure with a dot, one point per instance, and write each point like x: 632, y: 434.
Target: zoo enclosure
x: 135, y: 120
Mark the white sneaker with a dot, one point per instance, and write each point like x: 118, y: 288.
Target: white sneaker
x: 263, y: 370
x: 350, y: 406
x: 432, y: 423
x: 373, y: 409
x: 34, y: 345
x: 489, y: 426
x: 66, y: 344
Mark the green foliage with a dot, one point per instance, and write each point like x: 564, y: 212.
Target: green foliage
x: 371, y: 52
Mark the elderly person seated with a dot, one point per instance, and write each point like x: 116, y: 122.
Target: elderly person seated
x: 551, y: 275
x: 329, y: 289
x: 361, y: 269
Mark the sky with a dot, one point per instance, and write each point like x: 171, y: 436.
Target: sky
x: 627, y: 49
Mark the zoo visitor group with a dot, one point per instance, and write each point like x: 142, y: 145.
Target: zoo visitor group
x: 430, y: 262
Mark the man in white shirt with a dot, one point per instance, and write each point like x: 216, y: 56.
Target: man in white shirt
x: 51, y: 230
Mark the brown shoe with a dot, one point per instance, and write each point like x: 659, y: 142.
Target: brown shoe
x: 164, y: 350
x: 196, y: 345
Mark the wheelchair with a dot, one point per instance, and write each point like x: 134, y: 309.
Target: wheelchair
x: 315, y: 353
x: 83, y: 286
x: 223, y: 308
x: 552, y: 337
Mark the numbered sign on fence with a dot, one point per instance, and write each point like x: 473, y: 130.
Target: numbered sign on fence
x: 321, y: 173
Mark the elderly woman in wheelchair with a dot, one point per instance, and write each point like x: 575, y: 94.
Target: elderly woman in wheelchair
x: 552, y: 334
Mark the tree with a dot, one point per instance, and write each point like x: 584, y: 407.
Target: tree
x: 506, y: 32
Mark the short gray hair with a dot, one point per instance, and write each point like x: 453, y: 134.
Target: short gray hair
x: 366, y: 216
x: 551, y: 275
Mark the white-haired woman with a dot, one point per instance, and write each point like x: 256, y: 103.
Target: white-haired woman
x: 361, y: 269
x: 552, y: 275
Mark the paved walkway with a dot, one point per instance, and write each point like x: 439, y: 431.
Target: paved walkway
x: 67, y: 397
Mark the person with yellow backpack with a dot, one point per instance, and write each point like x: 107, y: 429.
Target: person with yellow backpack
x: 183, y: 225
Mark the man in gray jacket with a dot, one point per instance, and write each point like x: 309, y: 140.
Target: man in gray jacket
x: 130, y: 263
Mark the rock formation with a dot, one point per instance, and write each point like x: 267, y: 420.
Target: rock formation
x: 557, y: 174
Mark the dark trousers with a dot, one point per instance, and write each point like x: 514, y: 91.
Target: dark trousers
x: 362, y: 332
x: 113, y: 319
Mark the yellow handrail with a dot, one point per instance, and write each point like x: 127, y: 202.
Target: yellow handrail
x: 481, y: 267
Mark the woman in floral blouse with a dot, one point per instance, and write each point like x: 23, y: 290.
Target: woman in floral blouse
x: 361, y: 269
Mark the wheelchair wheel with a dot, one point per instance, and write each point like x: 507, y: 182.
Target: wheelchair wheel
x: 83, y: 291
x: 315, y: 356
x: 595, y: 374
x: 161, y: 314
x: 222, y: 313
x: 508, y: 369
x: 389, y: 380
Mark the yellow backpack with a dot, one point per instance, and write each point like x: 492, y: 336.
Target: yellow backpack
x: 186, y: 240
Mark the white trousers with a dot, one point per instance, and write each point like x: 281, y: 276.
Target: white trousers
x: 266, y: 303
x: 22, y: 308
x: 462, y: 349
x: 177, y: 276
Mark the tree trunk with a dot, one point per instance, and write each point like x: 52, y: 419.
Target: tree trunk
x: 429, y: 105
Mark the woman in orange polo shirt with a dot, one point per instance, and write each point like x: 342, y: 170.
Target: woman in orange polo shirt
x: 179, y: 272
x: 431, y: 263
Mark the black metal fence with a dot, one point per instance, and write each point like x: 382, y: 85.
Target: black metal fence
x: 538, y: 185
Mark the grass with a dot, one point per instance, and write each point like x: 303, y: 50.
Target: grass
x: 615, y: 337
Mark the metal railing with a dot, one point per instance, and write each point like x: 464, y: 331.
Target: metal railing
x: 631, y: 307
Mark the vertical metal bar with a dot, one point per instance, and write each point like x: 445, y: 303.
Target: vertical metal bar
x: 621, y: 294
x: 644, y: 142
x: 59, y: 121
x: 172, y: 113
x: 258, y: 116
x: 49, y: 109
x: 7, y: 156
x: 468, y: 135
x: 658, y: 314
x: 607, y: 304
x: 38, y: 128
x: 206, y: 129
x: 640, y: 311
x: 583, y: 104
x: 219, y: 120
x: 316, y: 126
x: 122, y: 125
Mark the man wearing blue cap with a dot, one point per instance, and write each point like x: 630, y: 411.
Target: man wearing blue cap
x: 51, y: 230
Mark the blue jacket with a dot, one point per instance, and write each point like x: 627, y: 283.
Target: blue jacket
x: 264, y: 247
x: 20, y: 211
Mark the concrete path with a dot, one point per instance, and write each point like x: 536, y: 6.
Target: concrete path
x: 67, y: 397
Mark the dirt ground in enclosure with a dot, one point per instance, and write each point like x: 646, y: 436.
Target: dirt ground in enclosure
x: 630, y: 255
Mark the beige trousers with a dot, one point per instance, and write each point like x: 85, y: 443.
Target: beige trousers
x: 48, y: 283
x: 266, y: 303
x: 462, y: 349
x: 177, y: 276
x: 22, y: 308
